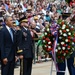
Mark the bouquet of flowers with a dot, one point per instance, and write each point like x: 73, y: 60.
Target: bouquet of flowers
x: 47, y: 39
x: 65, y: 43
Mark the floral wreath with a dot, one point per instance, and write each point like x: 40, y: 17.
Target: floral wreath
x: 66, y: 39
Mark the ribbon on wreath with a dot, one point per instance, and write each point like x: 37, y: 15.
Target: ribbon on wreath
x: 54, y: 31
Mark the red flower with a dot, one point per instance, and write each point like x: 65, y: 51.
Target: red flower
x: 72, y: 28
x: 62, y: 23
x: 62, y: 51
x: 64, y: 31
x: 49, y: 49
x: 63, y: 57
x: 59, y: 57
x: 66, y: 51
x: 69, y: 46
x: 68, y: 40
x: 49, y: 34
x: 74, y: 35
x: 47, y: 39
x: 64, y: 45
x: 58, y: 51
x: 69, y: 37
x: 67, y: 26
x: 47, y: 45
x: 73, y: 40
x: 43, y: 38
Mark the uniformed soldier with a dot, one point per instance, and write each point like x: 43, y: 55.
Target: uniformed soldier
x: 25, y: 47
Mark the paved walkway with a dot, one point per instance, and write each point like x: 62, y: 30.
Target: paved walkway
x: 42, y: 68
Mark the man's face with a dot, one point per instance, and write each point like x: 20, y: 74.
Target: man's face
x: 26, y: 24
x: 0, y: 23
x: 9, y: 22
x: 22, y: 24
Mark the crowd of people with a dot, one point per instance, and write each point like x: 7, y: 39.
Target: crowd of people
x: 24, y: 21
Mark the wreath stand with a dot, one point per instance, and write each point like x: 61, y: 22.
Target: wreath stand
x: 52, y: 70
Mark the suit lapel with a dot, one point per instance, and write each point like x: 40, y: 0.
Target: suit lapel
x: 8, y: 34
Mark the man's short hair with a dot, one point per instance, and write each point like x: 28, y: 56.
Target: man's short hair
x: 6, y: 17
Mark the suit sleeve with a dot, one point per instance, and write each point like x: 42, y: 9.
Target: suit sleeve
x: 3, y: 54
x: 15, y: 44
x: 19, y: 42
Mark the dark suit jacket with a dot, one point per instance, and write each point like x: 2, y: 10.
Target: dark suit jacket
x: 0, y: 48
x: 8, y: 47
x: 25, y: 43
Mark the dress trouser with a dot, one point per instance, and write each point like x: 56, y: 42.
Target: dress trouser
x: 8, y: 69
x: 70, y: 65
x: 62, y: 67
x: 27, y: 66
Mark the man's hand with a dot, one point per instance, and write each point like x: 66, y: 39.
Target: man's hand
x: 5, y: 60
x: 21, y: 56
x: 16, y: 58
x: 34, y: 31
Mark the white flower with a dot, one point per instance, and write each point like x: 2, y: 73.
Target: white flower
x: 66, y: 40
x: 59, y: 48
x: 62, y: 43
x: 60, y: 31
x: 45, y: 33
x: 68, y: 48
x: 64, y: 34
x: 67, y: 22
x: 64, y: 54
x: 72, y: 27
x: 63, y: 27
x: 45, y: 46
x: 43, y: 40
x: 60, y: 37
x: 49, y: 42
x: 72, y: 43
x: 56, y: 50
x: 63, y: 48
x: 57, y: 44
x: 69, y: 33
x: 67, y: 30
x: 49, y: 46
x: 73, y: 49
x: 47, y: 29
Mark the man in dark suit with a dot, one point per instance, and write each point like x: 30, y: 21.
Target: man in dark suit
x: 1, y: 20
x: 0, y: 43
x: 25, y: 44
x: 8, y: 47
